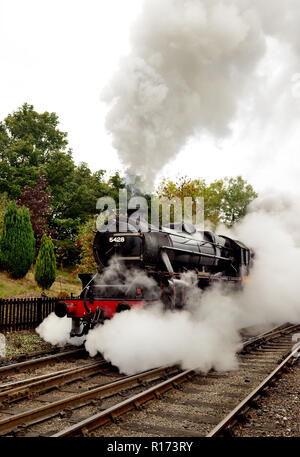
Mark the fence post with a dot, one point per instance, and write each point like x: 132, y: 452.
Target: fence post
x: 1, y: 315
x: 39, y: 311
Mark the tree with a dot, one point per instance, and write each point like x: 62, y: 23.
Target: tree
x: 37, y: 199
x: 183, y: 187
x: 3, y: 207
x: 193, y: 188
x: 225, y: 200
x: 238, y: 195
x: 66, y: 252
x: 115, y: 184
x: 64, y: 229
x: 17, y: 243
x: 45, y: 267
x: 32, y: 145
x: 79, y: 195
x: 28, y: 141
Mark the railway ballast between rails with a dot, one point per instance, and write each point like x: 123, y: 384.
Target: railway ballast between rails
x: 150, y: 385
x: 135, y: 403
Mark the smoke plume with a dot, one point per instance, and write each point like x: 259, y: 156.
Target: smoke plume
x: 194, y: 64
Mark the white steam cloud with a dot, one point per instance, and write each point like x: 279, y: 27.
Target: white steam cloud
x: 56, y: 331
x: 193, y: 65
x: 141, y: 339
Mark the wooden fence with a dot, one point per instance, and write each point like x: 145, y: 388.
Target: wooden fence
x: 24, y: 313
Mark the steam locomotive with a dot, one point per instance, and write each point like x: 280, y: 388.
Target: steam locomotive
x: 161, y: 255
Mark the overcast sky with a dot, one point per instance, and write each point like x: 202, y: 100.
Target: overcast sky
x: 59, y: 55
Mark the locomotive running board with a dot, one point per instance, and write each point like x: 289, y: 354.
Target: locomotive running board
x: 128, y: 234
x: 130, y: 258
x: 199, y: 254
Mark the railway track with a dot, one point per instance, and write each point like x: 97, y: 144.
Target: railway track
x: 27, y: 388
x: 36, y: 362
x: 4, y: 361
x: 86, y: 398
x: 90, y: 397
x: 238, y: 414
x: 188, y: 416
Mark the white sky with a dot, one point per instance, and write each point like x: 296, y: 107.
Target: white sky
x: 59, y: 55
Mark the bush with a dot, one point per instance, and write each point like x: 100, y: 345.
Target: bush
x: 3, y: 208
x: 84, y: 241
x: 17, y: 243
x: 45, y: 267
x: 66, y: 252
x: 63, y: 294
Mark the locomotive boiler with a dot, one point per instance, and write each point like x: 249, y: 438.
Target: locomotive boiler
x: 162, y: 255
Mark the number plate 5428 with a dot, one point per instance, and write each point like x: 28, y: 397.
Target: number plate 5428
x: 117, y: 239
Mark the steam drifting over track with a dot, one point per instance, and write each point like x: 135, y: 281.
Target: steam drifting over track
x: 84, y: 390
x: 263, y: 345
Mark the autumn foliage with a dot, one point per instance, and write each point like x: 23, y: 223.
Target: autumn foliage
x: 37, y: 199
x: 84, y: 241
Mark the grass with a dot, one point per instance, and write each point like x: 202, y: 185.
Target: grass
x: 24, y: 342
x: 65, y: 283
x: 28, y: 341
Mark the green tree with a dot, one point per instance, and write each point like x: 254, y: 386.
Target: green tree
x: 115, y: 183
x: 45, y: 267
x: 195, y: 188
x: 238, y: 195
x: 225, y: 200
x: 17, y: 243
x: 3, y: 207
x: 32, y: 145
x: 28, y: 141
x: 66, y: 253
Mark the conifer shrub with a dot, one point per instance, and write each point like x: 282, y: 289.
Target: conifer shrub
x: 45, y: 267
x: 17, y: 242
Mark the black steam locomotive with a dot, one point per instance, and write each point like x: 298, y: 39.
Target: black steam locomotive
x: 163, y: 255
